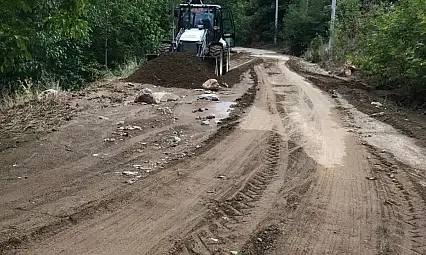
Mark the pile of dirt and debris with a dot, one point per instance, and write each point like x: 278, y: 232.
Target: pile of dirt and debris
x: 179, y: 70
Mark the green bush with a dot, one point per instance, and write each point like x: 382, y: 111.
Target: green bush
x: 317, y: 51
x: 349, y: 29
x: 67, y: 41
x: 305, y: 21
x: 394, y: 53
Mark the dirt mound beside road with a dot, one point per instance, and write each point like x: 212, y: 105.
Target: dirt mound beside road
x: 179, y: 70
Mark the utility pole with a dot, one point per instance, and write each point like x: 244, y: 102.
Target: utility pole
x: 173, y: 19
x: 332, y: 21
x: 276, y: 21
x: 106, y: 36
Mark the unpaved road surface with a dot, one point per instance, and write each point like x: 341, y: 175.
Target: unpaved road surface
x: 291, y: 174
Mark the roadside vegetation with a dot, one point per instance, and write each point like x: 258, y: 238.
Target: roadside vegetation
x: 385, y: 39
x: 69, y: 43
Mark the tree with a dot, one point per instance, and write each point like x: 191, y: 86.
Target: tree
x: 304, y: 21
x: 394, y: 53
x: 20, y: 20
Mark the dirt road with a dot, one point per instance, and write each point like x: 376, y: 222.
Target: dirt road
x: 288, y: 175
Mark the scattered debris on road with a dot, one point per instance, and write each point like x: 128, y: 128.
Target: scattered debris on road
x: 210, y: 97
x: 377, y: 104
x: 211, y: 84
x: 165, y: 97
x: 200, y: 110
x: 378, y: 114
x: 146, y: 96
x: 131, y: 181
x: 130, y: 173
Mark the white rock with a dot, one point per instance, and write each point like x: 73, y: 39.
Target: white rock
x: 165, y: 110
x: 378, y: 114
x: 205, y: 123
x: 211, y: 97
x: 131, y: 181
x: 103, y: 118
x: 165, y: 97
x: 377, y: 104
x: 131, y: 173
x: 176, y: 139
x: 211, y: 84
x: 146, y: 96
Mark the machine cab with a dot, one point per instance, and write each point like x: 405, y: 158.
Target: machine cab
x: 215, y: 21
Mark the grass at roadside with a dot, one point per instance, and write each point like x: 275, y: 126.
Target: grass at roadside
x: 31, y: 93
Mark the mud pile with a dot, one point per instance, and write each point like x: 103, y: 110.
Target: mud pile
x: 179, y: 70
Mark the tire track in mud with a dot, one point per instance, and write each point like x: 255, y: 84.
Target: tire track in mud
x: 403, y: 227
x: 114, y: 201
x: 300, y: 176
x: 328, y: 208
x: 232, y: 218
x: 318, y: 208
x: 241, y: 221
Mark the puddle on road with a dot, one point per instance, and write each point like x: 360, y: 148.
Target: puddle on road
x: 220, y: 109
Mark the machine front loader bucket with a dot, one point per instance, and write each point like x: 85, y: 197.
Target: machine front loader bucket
x: 150, y: 57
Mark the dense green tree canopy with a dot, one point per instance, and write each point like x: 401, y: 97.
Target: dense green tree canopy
x: 68, y: 41
x: 71, y: 41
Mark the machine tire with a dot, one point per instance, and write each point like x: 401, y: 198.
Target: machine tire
x: 164, y: 48
x: 227, y: 60
x: 216, y: 51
